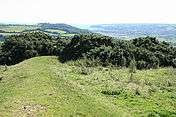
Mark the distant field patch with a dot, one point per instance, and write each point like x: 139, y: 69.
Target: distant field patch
x: 17, y: 28
x: 56, y: 31
x: 68, y: 35
x: 7, y: 34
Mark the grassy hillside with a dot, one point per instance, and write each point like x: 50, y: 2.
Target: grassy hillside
x: 42, y: 86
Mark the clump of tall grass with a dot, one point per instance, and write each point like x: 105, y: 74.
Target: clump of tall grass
x: 85, y: 62
x: 132, y: 69
x: 3, y: 68
x: 83, y: 66
x: 85, y: 70
x: 113, y: 91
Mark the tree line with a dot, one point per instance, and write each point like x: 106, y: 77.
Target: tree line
x: 147, y: 52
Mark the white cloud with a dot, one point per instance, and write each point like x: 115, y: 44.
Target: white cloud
x: 88, y: 11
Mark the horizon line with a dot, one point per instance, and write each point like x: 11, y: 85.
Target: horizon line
x: 30, y: 23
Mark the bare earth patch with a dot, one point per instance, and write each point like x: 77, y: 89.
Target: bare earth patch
x: 30, y: 110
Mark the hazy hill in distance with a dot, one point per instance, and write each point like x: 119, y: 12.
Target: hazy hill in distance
x: 165, y: 32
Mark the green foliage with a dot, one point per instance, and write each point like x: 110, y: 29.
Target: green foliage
x: 141, y: 64
x: 148, y: 51
x: 81, y: 44
x: 174, y: 63
x: 17, y: 48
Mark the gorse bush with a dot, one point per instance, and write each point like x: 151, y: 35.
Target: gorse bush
x: 17, y: 48
x: 148, y: 52
x: 81, y: 44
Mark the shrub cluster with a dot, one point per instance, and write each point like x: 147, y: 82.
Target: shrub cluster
x: 147, y: 52
x: 17, y: 48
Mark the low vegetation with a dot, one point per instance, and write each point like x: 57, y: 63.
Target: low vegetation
x: 42, y: 86
x: 147, y: 52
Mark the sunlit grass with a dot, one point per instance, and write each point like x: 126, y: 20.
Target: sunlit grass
x: 42, y: 86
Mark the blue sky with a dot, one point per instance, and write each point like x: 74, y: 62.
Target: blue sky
x: 88, y: 11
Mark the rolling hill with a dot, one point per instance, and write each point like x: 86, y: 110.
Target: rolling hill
x: 42, y: 86
x: 64, y: 27
x: 63, y: 30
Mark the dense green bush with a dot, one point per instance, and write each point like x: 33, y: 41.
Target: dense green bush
x: 17, y: 48
x: 174, y: 63
x: 81, y: 44
x: 148, y: 52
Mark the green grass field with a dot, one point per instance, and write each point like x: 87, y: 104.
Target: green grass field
x: 62, y: 33
x: 42, y: 86
x: 18, y: 28
x: 56, y: 31
x: 67, y: 35
x: 7, y: 34
x: 10, y: 29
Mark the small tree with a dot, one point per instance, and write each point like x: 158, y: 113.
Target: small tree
x: 132, y: 68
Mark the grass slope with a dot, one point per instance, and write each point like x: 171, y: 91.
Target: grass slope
x: 42, y: 86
